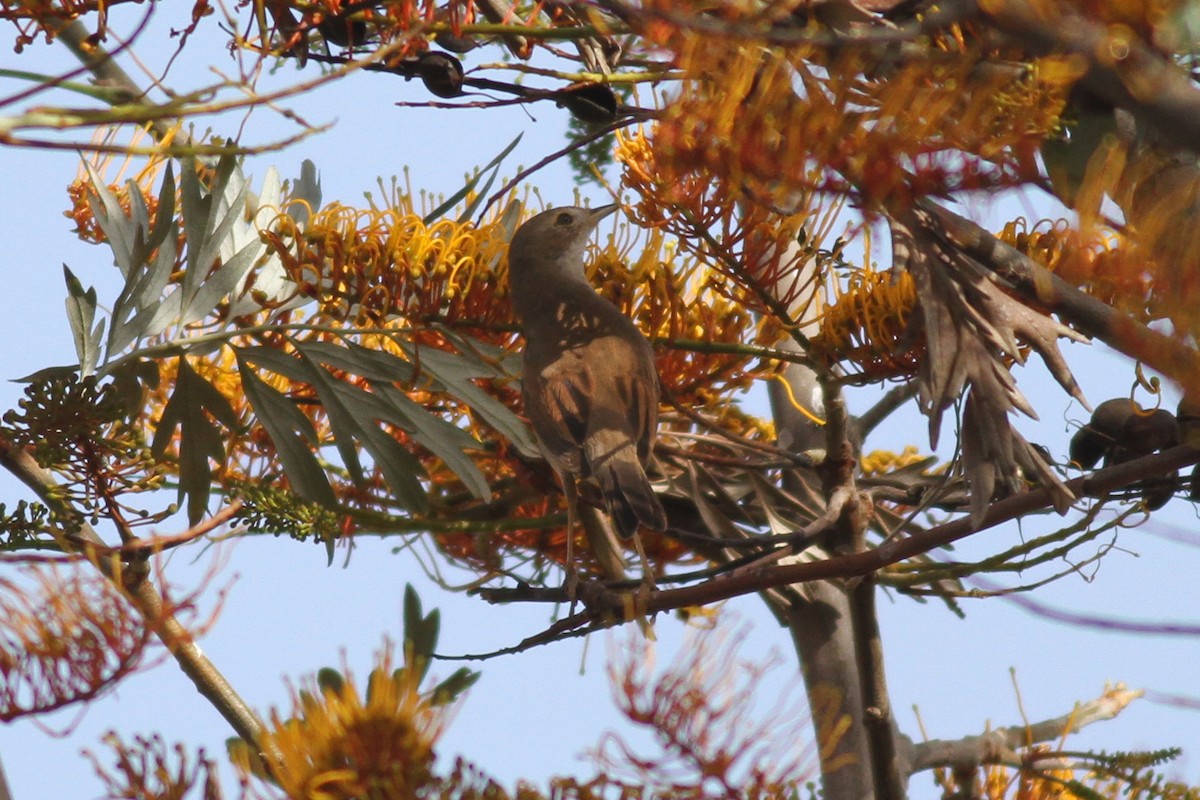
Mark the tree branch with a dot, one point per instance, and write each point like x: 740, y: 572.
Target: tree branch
x: 1121, y: 69
x: 1000, y: 746
x: 1096, y: 484
x: 1092, y: 317
x: 174, y: 635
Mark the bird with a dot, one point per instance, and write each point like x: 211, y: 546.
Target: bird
x: 589, y: 381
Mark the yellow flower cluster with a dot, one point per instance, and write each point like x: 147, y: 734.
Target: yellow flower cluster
x: 741, y: 238
x: 878, y: 462
x: 1104, y: 263
x: 338, y: 745
x: 368, y: 265
x: 777, y: 121
x: 868, y: 325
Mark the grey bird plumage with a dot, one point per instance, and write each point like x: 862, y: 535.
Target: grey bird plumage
x: 589, y: 381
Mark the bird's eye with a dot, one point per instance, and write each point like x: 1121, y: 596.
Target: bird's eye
x: 564, y: 219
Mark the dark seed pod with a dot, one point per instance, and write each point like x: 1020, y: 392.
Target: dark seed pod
x: 1194, y: 485
x: 1142, y: 434
x: 1148, y: 433
x: 593, y: 103
x: 455, y: 44
x: 1157, y: 491
x: 1188, y: 416
x: 441, y: 73
x: 342, y: 31
x: 1094, y: 440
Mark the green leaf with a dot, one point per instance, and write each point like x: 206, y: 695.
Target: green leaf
x: 353, y: 413
x: 401, y: 469
x: 291, y: 433
x: 330, y: 680
x: 49, y: 374
x: 306, y: 188
x: 376, y: 365
x: 81, y: 312
x: 347, y: 426
x: 494, y: 165
x: 153, y: 260
x: 118, y: 229
x: 189, y: 409
x: 203, y: 287
x: 449, y: 690
x: 457, y: 373
x: 420, y: 633
x: 388, y: 404
x: 442, y: 438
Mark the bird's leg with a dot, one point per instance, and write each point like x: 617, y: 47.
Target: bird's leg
x: 571, y: 583
x: 641, y: 597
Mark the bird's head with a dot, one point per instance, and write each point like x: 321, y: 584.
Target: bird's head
x: 554, y: 240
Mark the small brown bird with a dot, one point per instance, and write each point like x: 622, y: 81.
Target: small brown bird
x: 589, y: 382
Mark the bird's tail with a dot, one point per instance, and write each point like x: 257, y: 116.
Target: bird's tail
x: 630, y: 500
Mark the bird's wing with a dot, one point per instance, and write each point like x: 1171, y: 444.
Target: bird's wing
x: 558, y: 400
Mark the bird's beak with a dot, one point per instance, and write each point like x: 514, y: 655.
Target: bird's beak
x: 603, y: 211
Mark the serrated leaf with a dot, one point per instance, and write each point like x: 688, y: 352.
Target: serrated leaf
x: 443, y: 439
x: 81, y: 312
x: 457, y: 374
x: 290, y: 431
x: 188, y: 409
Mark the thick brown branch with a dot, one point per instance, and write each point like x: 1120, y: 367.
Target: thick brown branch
x: 1091, y: 316
x: 1096, y: 484
x: 1000, y: 746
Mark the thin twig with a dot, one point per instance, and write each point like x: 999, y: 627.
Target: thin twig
x: 179, y: 642
x: 854, y: 565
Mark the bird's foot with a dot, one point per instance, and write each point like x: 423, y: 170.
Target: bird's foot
x: 635, y: 604
x: 571, y: 587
